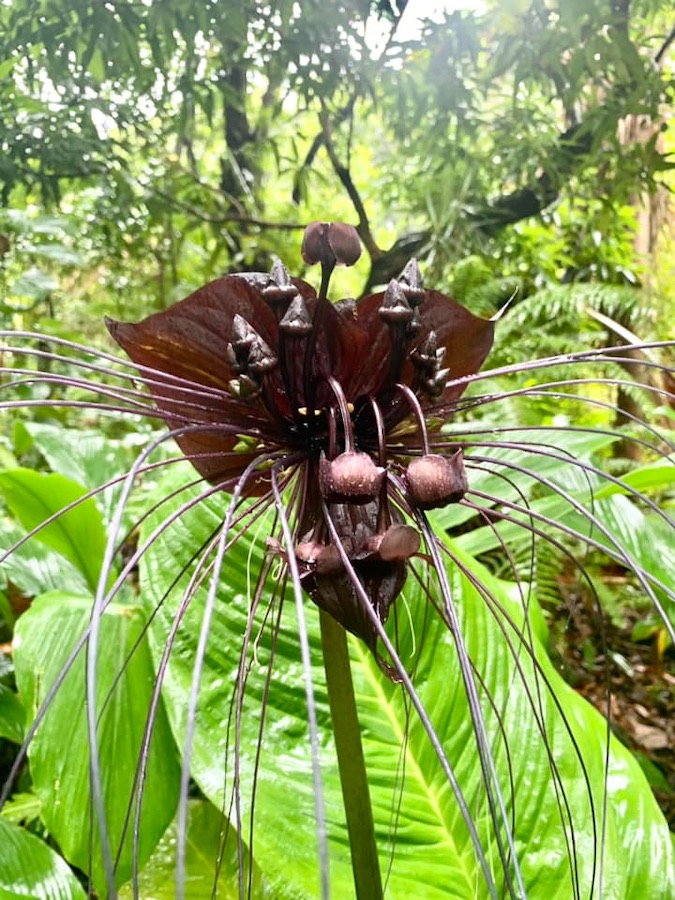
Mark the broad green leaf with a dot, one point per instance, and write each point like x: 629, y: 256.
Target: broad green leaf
x: 537, y: 452
x: 59, y: 753
x: 78, y: 534
x: 649, y: 478
x: 87, y: 457
x: 7, y: 65
x: 205, y: 833
x: 624, y: 529
x: 583, y: 487
x: 29, y: 868
x: 36, y: 569
x: 433, y: 856
x: 35, y: 283
x: 12, y: 715
x: 97, y: 65
x: 21, y: 808
x: 643, y: 536
x: 58, y: 253
x: 25, y: 222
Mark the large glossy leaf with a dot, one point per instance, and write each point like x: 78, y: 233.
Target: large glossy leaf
x: 29, y: 868
x: 622, y: 527
x: 34, y: 568
x: 59, y: 752
x: 205, y: 831
x: 433, y: 854
x: 78, y: 534
x: 497, y: 479
x: 86, y: 456
x: 584, y: 487
x: 12, y: 715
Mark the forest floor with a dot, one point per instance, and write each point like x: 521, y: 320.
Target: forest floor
x: 601, y: 659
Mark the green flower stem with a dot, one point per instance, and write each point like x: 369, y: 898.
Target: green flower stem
x: 352, y: 766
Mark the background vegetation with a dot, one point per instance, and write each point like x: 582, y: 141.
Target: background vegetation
x: 519, y: 149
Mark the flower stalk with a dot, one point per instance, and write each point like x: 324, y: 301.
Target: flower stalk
x: 351, y: 761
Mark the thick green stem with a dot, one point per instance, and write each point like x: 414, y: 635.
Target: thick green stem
x: 352, y: 766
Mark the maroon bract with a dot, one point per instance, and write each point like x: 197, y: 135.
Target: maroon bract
x: 262, y: 368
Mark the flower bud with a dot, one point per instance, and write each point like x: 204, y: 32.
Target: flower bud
x: 324, y: 559
x: 329, y: 243
x: 296, y: 320
x: 395, y: 309
x: 435, y: 481
x: 349, y: 478
x: 410, y: 280
x: 344, y: 242
x: 399, y: 542
x: 279, y: 289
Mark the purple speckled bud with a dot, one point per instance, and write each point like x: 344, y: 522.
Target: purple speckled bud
x: 435, y: 481
x: 349, y: 478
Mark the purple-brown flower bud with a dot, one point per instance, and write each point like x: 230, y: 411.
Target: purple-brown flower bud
x: 324, y: 559
x: 435, y: 481
x: 399, y: 542
x: 296, y: 320
x: 329, y: 243
x: 350, y: 478
x: 410, y: 280
x: 395, y: 309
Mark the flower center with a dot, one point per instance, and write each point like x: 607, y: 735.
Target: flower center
x: 304, y: 381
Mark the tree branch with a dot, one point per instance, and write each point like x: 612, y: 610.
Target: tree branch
x: 345, y: 177
x: 658, y: 59
x: 224, y: 217
x: 318, y: 143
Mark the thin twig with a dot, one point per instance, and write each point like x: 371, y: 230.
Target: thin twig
x: 318, y: 143
x: 658, y: 59
x: 345, y: 177
x: 221, y: 218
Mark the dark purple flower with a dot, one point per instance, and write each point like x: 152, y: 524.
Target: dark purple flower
x: 343, y: 392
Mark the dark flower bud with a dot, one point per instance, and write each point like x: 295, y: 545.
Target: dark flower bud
x: 415, y: 325
x: 425, y: 355
x: 248, y: 352
x: 243, y: 387
x: 350, y: 478
x: 242, y: 333
x: 399, y: 542
x: 232, y: 359
x: 329, y: 243
x: 435, y: 385
x: 324, y: 559
x: 410, y: 280
x: 260, y: 357
x: 279, y: 274
x: 435, y: 481
x: 344, y: 242
x: 296, y: 320
x: 279, y: 288
x: 346, y: 307
x: 395, y: 308
x: 255, y: 279
x: 315, y: 247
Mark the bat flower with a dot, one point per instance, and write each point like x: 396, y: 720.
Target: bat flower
x: 259, y: 375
